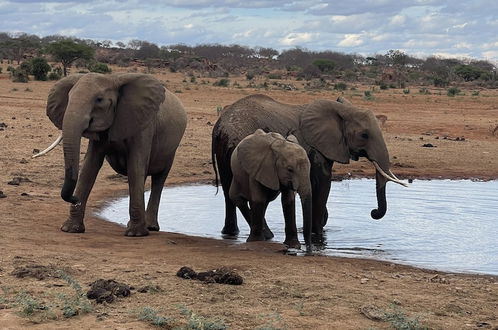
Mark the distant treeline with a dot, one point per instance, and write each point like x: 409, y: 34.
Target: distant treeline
x: 394, y: 68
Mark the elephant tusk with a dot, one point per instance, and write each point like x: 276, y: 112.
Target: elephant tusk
x: 392, y: 175
x: 388, y: 177
x: 52, y: 146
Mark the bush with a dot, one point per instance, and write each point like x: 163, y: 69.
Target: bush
x: 19, y: 75
x: 424, y: 91
x: 475, y: 93
x: 453, y: 91
x: 383, y: 85
x: 99, y: 68
x: 10, y: 68
x: 26, y: 67
x: 440, y: 82
x: 324, y: 65
x: 40, y: 68
x: 406, y: 91
x: 56, y: 74
x: 222, y: 82
x: 340, y: 86
x: 250, y: 76
x: 274, y: 76
x: 368, y: 95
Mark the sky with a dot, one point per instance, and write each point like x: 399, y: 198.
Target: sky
x: 421, y: 28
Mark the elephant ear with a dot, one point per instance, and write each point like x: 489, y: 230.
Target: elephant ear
x: 322, y: 127
x: 58, y: 98
x: 140, y: 97
x: 258, y: 160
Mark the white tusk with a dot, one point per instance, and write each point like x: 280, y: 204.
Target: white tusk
x: 392, y: 175
x: 52, y: 146
x: 381, y: 171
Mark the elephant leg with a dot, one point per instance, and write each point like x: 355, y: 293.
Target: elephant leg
x: 321, y: 173
x: 93, y: 162
x: 289, y: 209
x: 155, y: 197
x: 244, y: 209
x: 258, y: 210
x: 137, y: 165
x: 230, y: 228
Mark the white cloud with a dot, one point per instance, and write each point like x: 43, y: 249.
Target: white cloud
x: 463, y: 44
x: 351, y: 40
x: 397, y: 20
x: 296, y: 38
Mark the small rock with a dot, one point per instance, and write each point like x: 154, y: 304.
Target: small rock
x: 35, y: 151
x: 24, y: 194
x: 2, y: 195
x: 428, y: 145
x: 364, y: 280
x: 23, y: 161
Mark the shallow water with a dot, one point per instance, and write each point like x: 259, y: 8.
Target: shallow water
x: 440, y: 224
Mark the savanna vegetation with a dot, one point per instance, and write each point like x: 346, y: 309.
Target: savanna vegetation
x: 323, y: 69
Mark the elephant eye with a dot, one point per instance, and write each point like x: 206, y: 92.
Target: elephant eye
x: 290, y: 169
x: 364, y: 136
x: 99, y: 99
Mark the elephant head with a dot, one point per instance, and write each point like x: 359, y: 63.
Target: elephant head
x: 100, y: 107
x: 277, y: 162
x: 340, y: 132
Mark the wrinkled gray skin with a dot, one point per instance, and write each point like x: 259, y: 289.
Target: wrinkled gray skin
x: 329, y: 131
x: 132, y: 121
x: 263, y: 165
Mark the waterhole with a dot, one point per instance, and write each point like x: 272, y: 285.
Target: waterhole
x: 441, y: 224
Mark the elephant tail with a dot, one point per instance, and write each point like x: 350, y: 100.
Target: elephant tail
x: 215, y: 168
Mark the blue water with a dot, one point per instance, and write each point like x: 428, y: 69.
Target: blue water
x: 440, y: 224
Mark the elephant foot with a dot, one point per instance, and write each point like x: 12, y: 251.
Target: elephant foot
x: 268, y: 233
x: 293, y: 243
x: 153, y: 227
x: 255, y: 238
x: 230, y: 231
x: 71, y: 226
x: 136, y: 230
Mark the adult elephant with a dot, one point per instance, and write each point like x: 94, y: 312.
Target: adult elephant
x: 129, y: 119
x: 329, y: 131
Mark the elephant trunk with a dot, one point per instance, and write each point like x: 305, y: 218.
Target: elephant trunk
x: 72, y: 128
x: 380, y: 184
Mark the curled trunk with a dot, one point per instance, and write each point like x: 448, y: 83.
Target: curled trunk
x: 380, y: 184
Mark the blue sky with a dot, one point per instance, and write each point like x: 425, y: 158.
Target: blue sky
x: 418, y: 27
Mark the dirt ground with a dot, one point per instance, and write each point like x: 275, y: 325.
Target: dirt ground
x: 279, y: 291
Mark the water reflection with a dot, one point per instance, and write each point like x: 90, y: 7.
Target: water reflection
x: 446, y: 225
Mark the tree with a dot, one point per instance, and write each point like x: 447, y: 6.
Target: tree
x: 68, y: 51
x: 396, y: 57
x: 468, y: 72
x: 268, y: 53
x: 40, y: 68
x: 325, y: 66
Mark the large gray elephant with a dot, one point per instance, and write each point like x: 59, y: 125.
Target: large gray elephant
x: 131, y: 120
x: 329, y: 131
x: 263, y: 165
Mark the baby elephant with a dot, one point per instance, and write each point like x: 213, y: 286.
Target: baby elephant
x: 263, y: 165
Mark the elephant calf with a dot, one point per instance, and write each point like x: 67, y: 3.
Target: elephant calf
x: 263, y: 165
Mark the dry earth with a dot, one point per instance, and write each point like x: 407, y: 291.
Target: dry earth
x: 279, y: 291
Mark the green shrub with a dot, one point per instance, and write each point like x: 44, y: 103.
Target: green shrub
x: 475, y: 93
x: 383, y: 85
x: 26, y: 67
x: 40, y: 68
x: 406, y: 91
x: 368, y: 95
x: 99, y: 68
x: 440, y: 82
x: 192, y: 79
x: 250, y: 76
x: 10, y: 68
x: 424, y: 91
x: 340, y: 86
x: 324, y: 65
x: 222, y: 82
x: 19, y: 75
x: 452, y: 91
x: 274, y: 76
